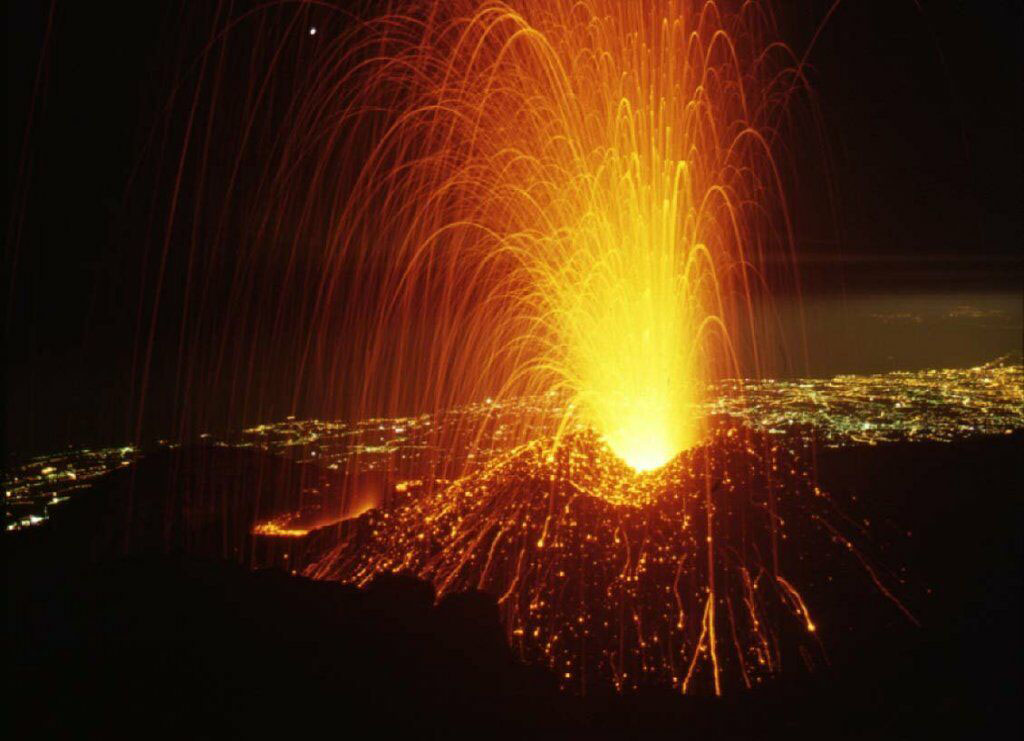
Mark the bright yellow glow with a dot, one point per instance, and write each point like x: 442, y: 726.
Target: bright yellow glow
x: 629, y: 356
x: 628, y: 318
x: 624, y: 287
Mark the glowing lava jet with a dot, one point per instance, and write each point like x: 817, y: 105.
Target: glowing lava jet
x: 551, y: 196
x: 578, y: 199
x: 573, y: 200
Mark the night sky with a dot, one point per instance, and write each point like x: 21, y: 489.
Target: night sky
x: 921, y: 114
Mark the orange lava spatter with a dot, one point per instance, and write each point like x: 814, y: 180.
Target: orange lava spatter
x: 607, y: 576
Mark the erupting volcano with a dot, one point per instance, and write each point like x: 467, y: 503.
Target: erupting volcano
x: 578, y: 199
x: 524, y: 368
x: 608, y: 576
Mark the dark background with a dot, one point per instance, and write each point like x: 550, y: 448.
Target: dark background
x: 920, y: 113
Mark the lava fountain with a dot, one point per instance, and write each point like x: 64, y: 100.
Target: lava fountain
x: 572, y: 201
x: 577, y: 199
x: 568, y: 197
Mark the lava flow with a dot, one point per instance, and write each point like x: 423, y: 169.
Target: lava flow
x: 609, y: 576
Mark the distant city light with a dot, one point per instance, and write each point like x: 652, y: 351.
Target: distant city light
x: 936, y: 405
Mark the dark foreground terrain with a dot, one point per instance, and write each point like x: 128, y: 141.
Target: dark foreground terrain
x: 152, y: 644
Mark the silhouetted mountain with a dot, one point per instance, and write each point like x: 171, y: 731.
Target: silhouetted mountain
x: 155, y: 644
x: 201, y: 499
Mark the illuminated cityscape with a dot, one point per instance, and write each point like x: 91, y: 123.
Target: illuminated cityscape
x: 46, y: 481
x: 938, y: 405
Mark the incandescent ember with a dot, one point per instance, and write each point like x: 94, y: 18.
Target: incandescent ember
x: 676, y: 576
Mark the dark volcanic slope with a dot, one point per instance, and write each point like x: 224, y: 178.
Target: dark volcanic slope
x: 953, y: 516
x: 167, y: 645
x: 200, y: 499
x: 680, y: 578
